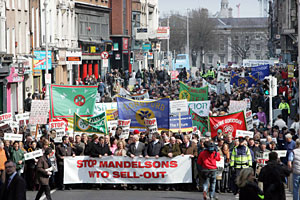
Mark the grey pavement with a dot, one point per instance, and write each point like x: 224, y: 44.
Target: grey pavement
x: 129, y: 195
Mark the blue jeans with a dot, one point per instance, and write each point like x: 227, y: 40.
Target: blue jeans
x: 209, y: 178
x: 296, y: 182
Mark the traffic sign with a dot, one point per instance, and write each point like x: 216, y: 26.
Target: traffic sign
x: 104, y: 55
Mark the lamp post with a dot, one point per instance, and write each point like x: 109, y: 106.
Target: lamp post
x: 46, y: 51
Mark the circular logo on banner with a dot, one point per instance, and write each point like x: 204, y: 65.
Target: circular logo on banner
x: 142, y: 114
x: 228, y: 129
x: 82, y: 125
x: 79, y: 100
x: 242, y: 81
x: 184, y: 95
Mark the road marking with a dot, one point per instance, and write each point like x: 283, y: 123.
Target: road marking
x: 51, y: 192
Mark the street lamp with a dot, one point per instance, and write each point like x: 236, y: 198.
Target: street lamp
x: 46, y: 52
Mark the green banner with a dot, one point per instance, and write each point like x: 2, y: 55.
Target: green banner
x: 94, y: 124
x: 193, y: 94
x: 200, y: 122
x: 65, y: 100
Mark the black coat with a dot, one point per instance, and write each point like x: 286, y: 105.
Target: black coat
x: 273, y: 176
x: 154, y: 149
x: 140, y: 150
x: 15, y: 191
x: 250, y: 192
x: 98, y: 149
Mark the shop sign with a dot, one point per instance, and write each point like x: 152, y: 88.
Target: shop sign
x: 39, y: 62
x: 14, y: 76
x: 73, y: 58
x: 118, y: 56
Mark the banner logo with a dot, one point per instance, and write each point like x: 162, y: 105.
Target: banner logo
x: 82, y: 125
x: 228, y: 129
x: 184, y: 95
x: 142, y: 114
x: 79, y: 100
x: 242, y: 81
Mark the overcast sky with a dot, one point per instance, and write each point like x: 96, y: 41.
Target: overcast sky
x: 249, y: 8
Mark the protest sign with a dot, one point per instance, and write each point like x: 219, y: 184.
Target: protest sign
x: 112, y: 114
x: 221, y: 163
x: 281, y: 153
x: 211, y: 87
x: 53, y: 161
x: 125, y: 125
x: 102, y: 107
x: 60, y: 129
x: 200, y: 122
x: 5, y: 128
x: 112, y: 126
x: 13, y: 125
x: 117, y: 169
x: 151, y: 124
x: 13, y: 137
x: 240, y: 133
x: 262, y: 158
x: 135, y: 96
x: 223, y: 76
x: 290, y: 71
x: 34, y: 154
x: 249, y: 120
x: 179, y: 106
x: 6, y: 117
x: 22, y: 119
x: 184, y: 123
x: 202, y: 108
x: 228, y: 124
x: 193, y: 94
x: 237, y: 106
x: 39, y: 112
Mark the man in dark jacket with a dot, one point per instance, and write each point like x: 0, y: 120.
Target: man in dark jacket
x: 153, y: 149
x: 44, y: 171
x: 62, y: 150
x: 100, y: 149
x: 27, y: 103
x: 273, y: 176
x: 15, y: 186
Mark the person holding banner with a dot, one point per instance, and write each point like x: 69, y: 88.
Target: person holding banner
x: 44, y: 169
x: 153, y: 149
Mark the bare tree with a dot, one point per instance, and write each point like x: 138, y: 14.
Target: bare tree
x: 202, y: 34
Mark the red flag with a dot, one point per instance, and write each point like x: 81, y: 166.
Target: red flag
x: 227, y: 124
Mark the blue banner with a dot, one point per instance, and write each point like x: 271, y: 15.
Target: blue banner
x: 137, y: 111
x: 238, y: 81
x: 263, y: 70
x: 186, y: 123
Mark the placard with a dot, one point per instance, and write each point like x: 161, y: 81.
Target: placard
x: 34, y: 154
x: 6, y: 117
x: 13, y: 137
x: 240, y: 133
x: 39, y: 112
x: 179, y: 106
x: 112, y: 126
x: 125, y: 125
x: 221, y: 163
x: 22, y: 119
x: 281, y: 153
x: 249, y: 120
x: 151, y: 124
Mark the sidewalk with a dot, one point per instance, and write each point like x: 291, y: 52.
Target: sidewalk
x: 288, y: 194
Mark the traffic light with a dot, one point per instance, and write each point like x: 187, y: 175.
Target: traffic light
x: 131, y: 57
x: 266, y: 86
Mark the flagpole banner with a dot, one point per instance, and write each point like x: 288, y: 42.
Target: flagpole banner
x: 65, y: 100
x: 238, y: 81
x: 138, y: 111
x: 94, y: 124
x: 117, y: 169
x: 228, y: 124
x: 200, y: 122
x: 262, y: 70
x: 185, y: 121
x: 202, y: 108
x: 137, y: 96
x: 193, y: 94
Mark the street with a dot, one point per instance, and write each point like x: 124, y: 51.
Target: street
x: 129, y: 195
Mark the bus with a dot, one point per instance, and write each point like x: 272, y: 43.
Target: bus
x: 182, y: 61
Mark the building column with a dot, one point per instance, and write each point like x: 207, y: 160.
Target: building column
x: 84, y: 74
x: 90, y: 69
x: 96, y: 70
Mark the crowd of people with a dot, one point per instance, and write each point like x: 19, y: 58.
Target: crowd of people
x: 243, y: 163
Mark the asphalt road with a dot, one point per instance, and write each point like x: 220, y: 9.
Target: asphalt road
x: 125, y: 195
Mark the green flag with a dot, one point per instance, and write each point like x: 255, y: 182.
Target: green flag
x: 200, y: 122
x: 65, y: 100
x: 94, y: 124
x: 193, y: 94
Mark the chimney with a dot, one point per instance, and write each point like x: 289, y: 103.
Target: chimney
x: 230, y: 12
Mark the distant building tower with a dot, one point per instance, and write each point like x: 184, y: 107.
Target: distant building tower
x: 263, y: 8
x: 224, y: 12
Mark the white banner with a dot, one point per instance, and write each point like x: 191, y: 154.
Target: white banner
x: 202, y: 108
x: 22, y: 119
x: 152, y: 125
x: 112, y: 126
x: 135, y: 96
x: 224, y: 76
x: 125, y: 125
x: 6, y: 117
x: 237, y: 106
x: 240, y: 133
x: 281, y: 153
x: 249, y: 120
x: 13, y: 137
x: 83, y: 169
x: 39, y: 112
x: 102, y: 107
x: 179, y: 106
x: 34, y: 154
x: 211, y: 88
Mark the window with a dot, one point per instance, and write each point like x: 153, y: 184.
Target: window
x: 222, y: 47
x: 222, y: 59
x: 236, y: 59
x: 257, y: 37
x: 258, y: 48
x: 210, y: 59
x: 258, y: 57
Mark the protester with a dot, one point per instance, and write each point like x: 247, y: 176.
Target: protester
x: 17, y: 156
x: 294, y: 164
